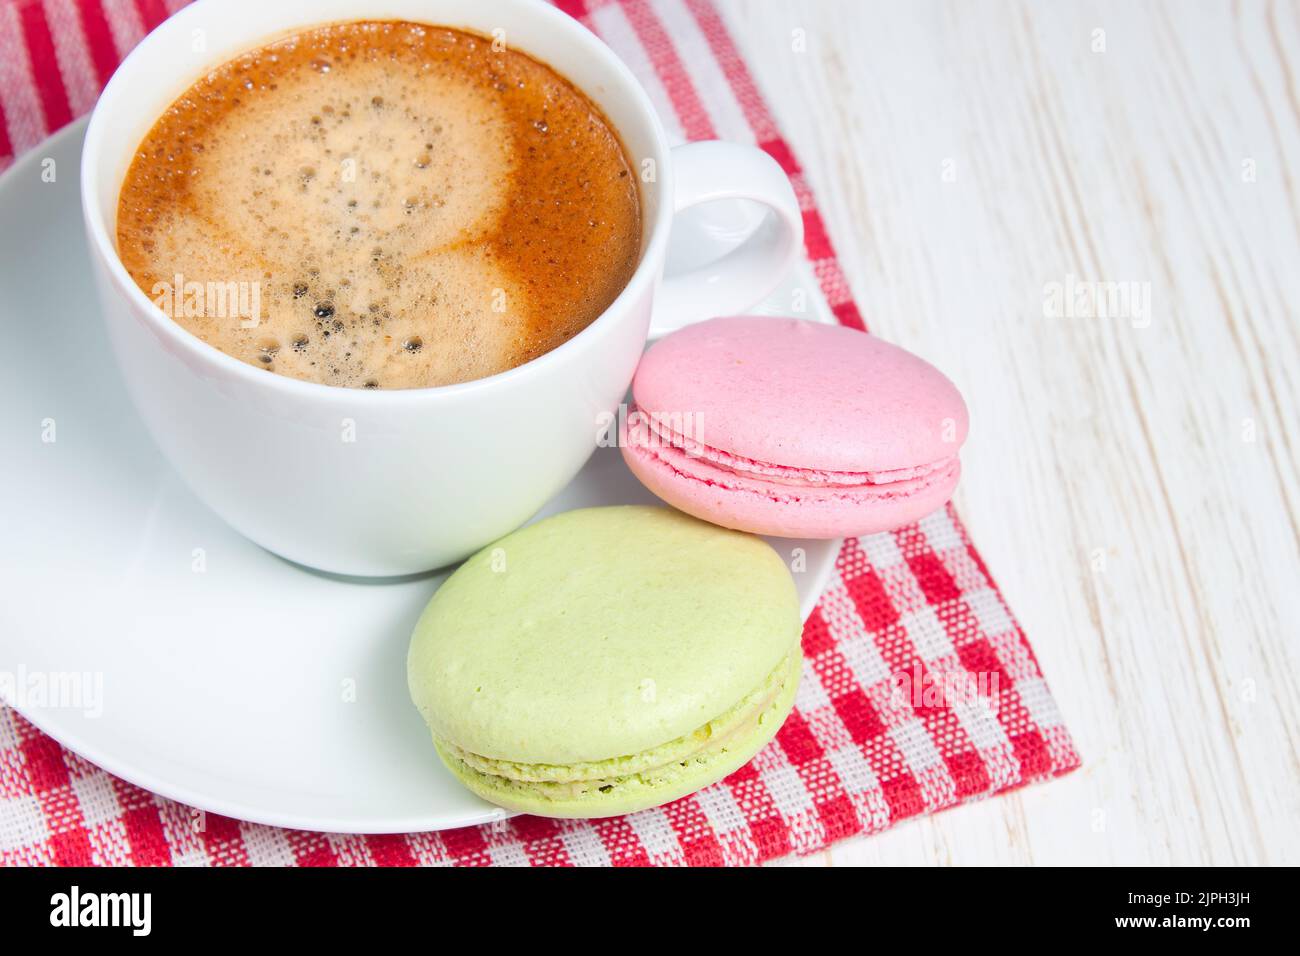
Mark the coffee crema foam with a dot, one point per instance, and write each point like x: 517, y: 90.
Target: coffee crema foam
x: 413, y: 207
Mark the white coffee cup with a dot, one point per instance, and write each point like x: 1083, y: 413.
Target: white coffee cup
x: 374, y: 482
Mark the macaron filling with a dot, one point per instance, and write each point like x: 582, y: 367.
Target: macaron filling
x: 660, y: 767
x: 691, y: 459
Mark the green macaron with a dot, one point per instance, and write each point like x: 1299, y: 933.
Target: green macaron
x: 607, y: 660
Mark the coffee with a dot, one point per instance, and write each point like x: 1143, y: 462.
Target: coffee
x: 381, y: 204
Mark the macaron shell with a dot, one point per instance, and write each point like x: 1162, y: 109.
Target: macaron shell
x: 803, y: 394
x: 620, y: 800
x: 784, y: 510
x: 598, y: 633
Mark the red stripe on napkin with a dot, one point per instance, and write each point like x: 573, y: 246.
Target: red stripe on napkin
x: 99, y: 39
x: 6, y: 147
x: 663, y: 56
x: 152, y: 12
x: 45, y: 66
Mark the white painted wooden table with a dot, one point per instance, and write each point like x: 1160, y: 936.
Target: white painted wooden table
x: 1132, y: 480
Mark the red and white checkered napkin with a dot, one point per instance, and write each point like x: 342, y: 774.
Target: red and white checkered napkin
x: 884, y: 728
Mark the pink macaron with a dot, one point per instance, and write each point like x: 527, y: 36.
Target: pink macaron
x: 794, y: 428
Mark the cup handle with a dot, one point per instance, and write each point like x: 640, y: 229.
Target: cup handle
x: 712, y: 170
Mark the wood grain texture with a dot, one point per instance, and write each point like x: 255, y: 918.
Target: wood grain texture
x: 1133, y: 480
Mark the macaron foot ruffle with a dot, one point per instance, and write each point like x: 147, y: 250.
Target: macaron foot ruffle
x: 713, y: 756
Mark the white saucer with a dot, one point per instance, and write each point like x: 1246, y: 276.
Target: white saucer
x: 232, y: 680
